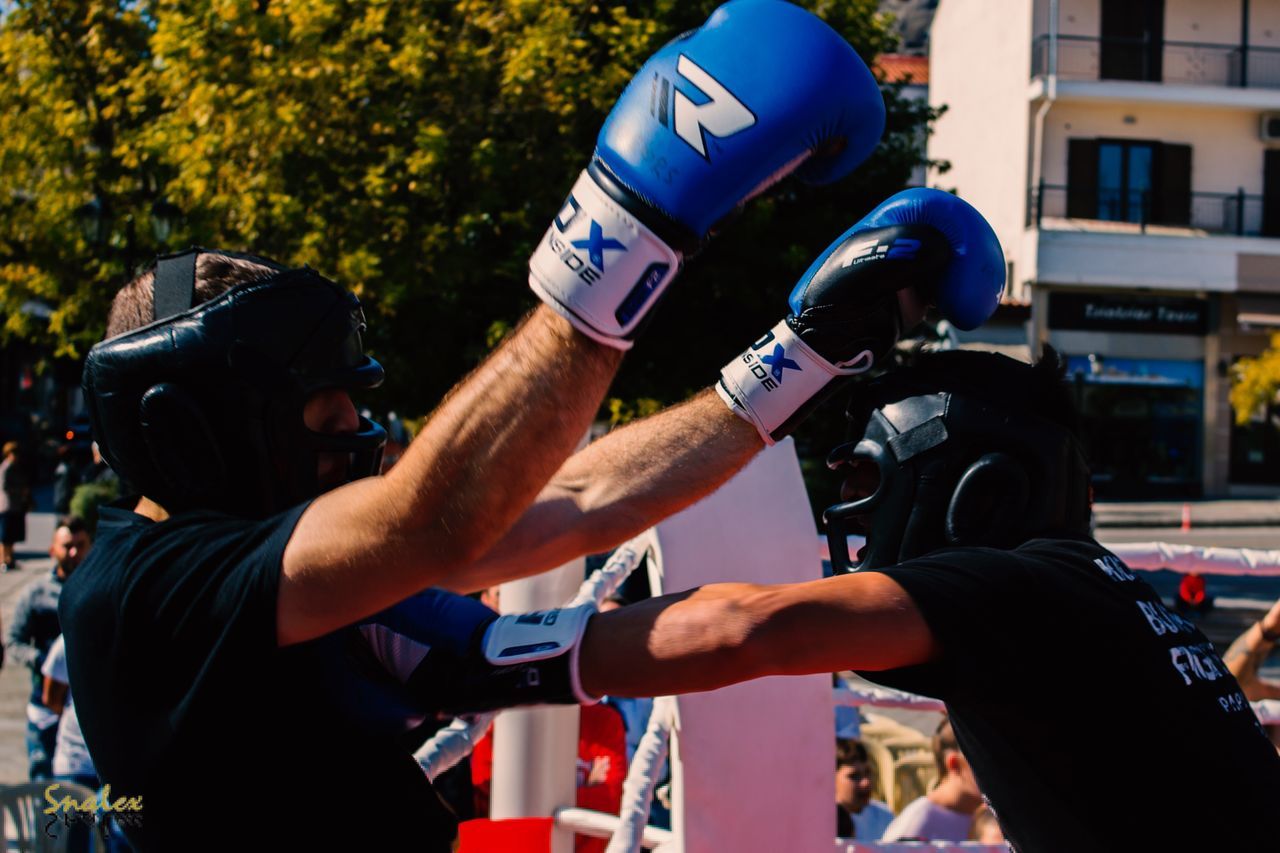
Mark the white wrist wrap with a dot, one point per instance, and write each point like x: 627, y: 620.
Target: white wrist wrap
x: 599, y: 268
x: 777, y: 376
x: 527, y: 637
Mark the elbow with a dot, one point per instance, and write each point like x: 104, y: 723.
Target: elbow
x: 745, y: 647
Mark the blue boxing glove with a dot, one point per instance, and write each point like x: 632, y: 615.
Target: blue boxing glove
x: 437, y: 652
x: 921, y: 246
x: 762, y: 89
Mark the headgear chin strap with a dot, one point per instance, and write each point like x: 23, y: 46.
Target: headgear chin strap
x: 956, y: 471
x: 203, y: 407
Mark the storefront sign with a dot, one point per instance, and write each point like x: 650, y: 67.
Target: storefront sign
x: 1103, y: 313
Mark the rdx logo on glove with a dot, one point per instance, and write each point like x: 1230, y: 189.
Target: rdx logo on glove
x: 595, y: 243
x: 721, y: 115
x: 776, y: 360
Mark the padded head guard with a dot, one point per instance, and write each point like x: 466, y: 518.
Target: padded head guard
x: 945, y: 463
x: 202, y: 408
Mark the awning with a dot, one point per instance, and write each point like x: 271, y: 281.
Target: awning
x: 1256, y: 311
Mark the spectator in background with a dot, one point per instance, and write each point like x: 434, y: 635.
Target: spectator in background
x: 857, y: 815
x: 1245, y: 656
x: 602, y: 767
x: 946, y: 812
x: 986, y: 829
x: 71, y: 760
x: 15, y: 496
x: 33, y: 630
x: 635, y: 711
x: 65, y: 479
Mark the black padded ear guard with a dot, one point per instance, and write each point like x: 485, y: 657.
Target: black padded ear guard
x: 181, y: 443
x: 989, y: 503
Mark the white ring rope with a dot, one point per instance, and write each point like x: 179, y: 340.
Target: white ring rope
x: 1154, y: 556
x: 642, y: 777
x: 455, y: 741
x: 848, y: 695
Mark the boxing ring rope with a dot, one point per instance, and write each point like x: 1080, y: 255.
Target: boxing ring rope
x: 455, y: 741
x: 1154, y: 556
x: 628, y: 831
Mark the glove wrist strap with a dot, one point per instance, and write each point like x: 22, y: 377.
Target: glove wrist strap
x: 777, y: 377
x: 599, y: 267
x: 531, y: 638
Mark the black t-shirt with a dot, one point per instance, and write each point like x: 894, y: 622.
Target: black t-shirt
x: 186, y: 700
x: 1094, y: 718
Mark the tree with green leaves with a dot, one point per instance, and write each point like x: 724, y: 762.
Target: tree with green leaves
x: 414, y: 152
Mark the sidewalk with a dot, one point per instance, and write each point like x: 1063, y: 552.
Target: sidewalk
x: 1219, y: 513
x: 15, y: 679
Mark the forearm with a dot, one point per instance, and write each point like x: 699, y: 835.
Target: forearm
x: 620, y: 486
x: 683, y: 643
x: 725, y: 633
x: 638, y: 475
x: 1245, y: 657
x: 481, y: 459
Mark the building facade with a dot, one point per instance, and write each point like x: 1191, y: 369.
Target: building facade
x: 1127, y: 153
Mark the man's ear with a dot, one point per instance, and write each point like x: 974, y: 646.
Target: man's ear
x: 954, y: 761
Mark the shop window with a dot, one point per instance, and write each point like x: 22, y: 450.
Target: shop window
x: 1141, y: 424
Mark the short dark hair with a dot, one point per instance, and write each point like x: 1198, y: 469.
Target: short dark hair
x: 134, y: 305
x: 850, y: 751
x: 74, y: 524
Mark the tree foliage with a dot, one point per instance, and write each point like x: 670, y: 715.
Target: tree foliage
x: 1255, y: 382
x: 413, y: 151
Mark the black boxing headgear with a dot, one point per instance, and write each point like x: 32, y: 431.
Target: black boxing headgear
x: 955, y: 463
x: 203, y: 408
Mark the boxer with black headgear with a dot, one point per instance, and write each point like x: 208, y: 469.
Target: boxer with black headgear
x: 203, y: 632
x: 980, y: 585
x: 204, y: 406
x: 942, y: 468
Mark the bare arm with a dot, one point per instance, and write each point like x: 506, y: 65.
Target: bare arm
x: 620, y: 486
x: 1248, y: 653
x: 483, y: 456
x: 725, y: 633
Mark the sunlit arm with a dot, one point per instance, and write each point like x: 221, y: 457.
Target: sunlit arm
x: 725, y: 633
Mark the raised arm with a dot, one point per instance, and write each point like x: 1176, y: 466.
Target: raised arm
x: 848, y: 310
x: 620, y: 486
x: 612, y: 249
x: 1247, y: 654
x: 725, y: 633
x: 481, y: 459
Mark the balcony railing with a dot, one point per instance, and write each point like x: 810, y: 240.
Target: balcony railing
x: 1193, y: 63
x: 1237, y: 213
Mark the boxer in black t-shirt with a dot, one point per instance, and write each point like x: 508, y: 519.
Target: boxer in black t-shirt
x: 1094, y: 717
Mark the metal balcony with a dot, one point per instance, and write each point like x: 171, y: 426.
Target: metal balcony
x: 1177, y: 62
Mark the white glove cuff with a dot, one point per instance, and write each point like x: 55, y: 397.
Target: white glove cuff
x: 599, y: 267
x: 527, y: 637
x: 777, y: 376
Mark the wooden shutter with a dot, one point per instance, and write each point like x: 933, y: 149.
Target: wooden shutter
x: 1271, y: 193
x: 1171, y: 185
x: 1082, y: 179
